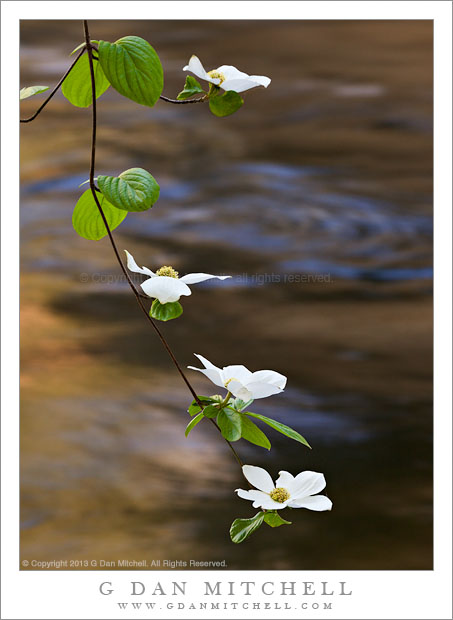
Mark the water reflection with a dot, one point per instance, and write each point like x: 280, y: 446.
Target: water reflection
x: 327, y: 173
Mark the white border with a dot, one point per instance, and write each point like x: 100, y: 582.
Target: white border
x: 383, y: 594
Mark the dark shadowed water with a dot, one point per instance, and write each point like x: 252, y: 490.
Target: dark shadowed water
x: 317, y: 197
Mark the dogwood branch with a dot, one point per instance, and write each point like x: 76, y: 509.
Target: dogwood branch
x: 43, y: 105
x: 137, y: 294
x: 199, y: 100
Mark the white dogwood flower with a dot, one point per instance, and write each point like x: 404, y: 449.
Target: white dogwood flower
x: 226, y: 76
x: 295, y: 492
x: 166, y: 285
x: 241, y: 382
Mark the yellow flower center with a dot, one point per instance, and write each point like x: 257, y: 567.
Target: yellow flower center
x: 167, y: 271
x: 216, y: 75
x: 279, y: 495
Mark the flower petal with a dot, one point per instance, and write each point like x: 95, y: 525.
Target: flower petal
x: 212, y: 374
x: 194, y: 278
x: 269, y: 504
x: 252, y: 495
x: 132, y: 266
x: 258, y: 477
x: 197, y: 69
x: 285, y: 480
x: 210, y: 371
x: 238, y: 372
x: 206, y: 363
x: 262, y: 390
x: 165, y: 289
x: 239, y: 85
x: 271, y: 377
x: 307, y: 483
x: 231, y: 73
x: 314, y: 502
x: 238, y: 390
x: 262, y: 80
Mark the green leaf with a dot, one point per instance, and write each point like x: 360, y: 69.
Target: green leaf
x: 193, y: 423
x: 133, y: 68
x: 87, y: 181
x: 76, y: 49
x: 79, y: 47
x: 194, y: 407
x: 87, y: 220
x: 191, y: 87
x: 165, y: 312
x: 242, y: 528
x: 210, y: 411
x: 226, y: 104
x: 281, y: 428
x: 29, y: 91
x: 230, y: 423
x: 239, y: 404
x: 252, y: 433
x: 273, y: 519
x: 133, y: 190
x: 77, y: 86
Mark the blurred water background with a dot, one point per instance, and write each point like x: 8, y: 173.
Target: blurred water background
x: 317, y: 197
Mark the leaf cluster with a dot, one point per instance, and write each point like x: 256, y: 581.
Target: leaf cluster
x: 242, y: 528
x: 234, y: 423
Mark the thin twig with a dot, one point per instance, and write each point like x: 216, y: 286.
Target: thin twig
x: 137, y: 294
x: 27, y: 120
x: 199, y: 100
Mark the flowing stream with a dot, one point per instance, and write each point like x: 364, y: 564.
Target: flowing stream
x: 317, y: 198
